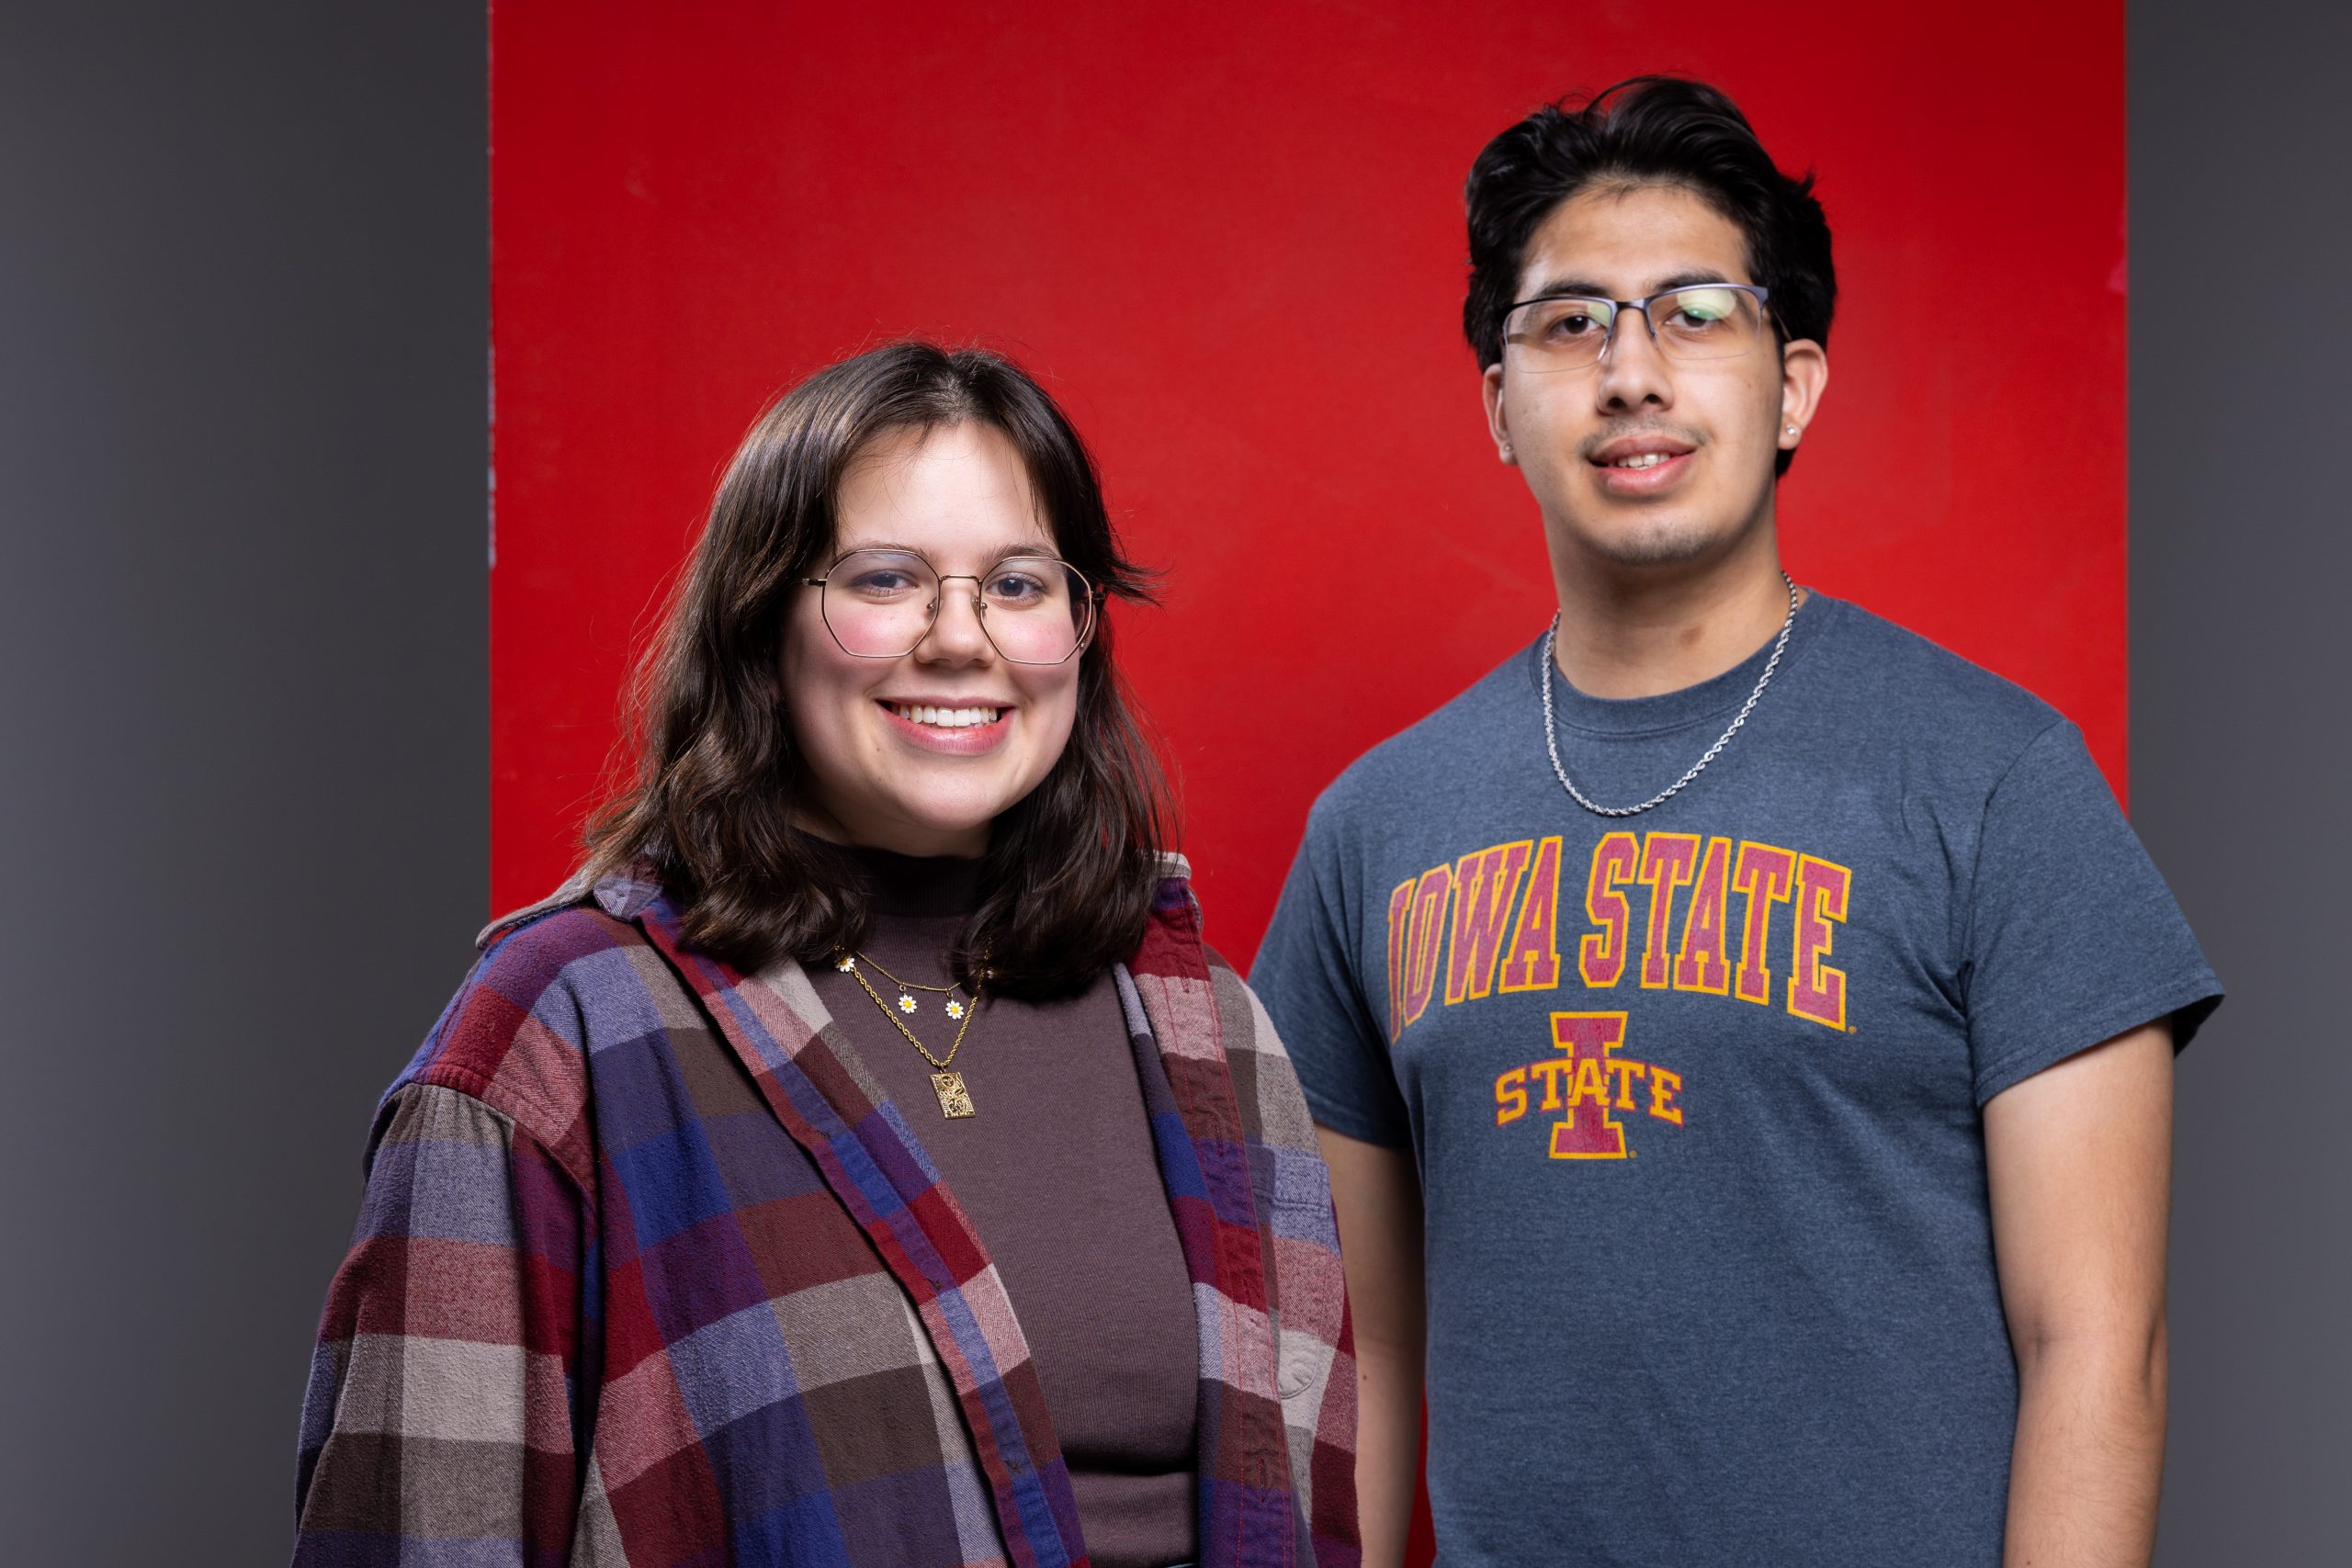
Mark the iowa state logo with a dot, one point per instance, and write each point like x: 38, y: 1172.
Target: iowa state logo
x: 1585, y: 1084
x: 1469, y: 921
x: 1681, y: 912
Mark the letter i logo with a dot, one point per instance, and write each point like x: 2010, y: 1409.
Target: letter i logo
x: 1587, y: 1131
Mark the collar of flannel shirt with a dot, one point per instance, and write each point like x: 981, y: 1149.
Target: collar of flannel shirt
x: 874, y: 1164
x: 623, y: 894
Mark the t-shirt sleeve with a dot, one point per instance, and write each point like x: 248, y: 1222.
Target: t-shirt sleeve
x: 2073, y: 937
x: 1308, y: 979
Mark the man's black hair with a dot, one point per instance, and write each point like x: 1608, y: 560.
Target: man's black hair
x: 1648, y: 131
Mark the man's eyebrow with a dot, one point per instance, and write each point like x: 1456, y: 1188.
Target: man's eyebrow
x: 1578, y: 287
x: 1687, y: 280
x: 1586, y: 288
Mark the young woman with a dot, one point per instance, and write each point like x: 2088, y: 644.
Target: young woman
x: 862, y: 1161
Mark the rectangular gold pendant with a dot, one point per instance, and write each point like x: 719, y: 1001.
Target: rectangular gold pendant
x: 955, y: 1100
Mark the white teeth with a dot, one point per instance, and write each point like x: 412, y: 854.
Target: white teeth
x: 944, y: 718
x: 1641, y: 460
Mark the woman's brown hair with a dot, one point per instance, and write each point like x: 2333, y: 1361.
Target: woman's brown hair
x: 1071, y: 869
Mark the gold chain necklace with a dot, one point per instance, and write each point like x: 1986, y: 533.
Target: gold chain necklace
x: 907, y: 1004
x: 955, y: 1099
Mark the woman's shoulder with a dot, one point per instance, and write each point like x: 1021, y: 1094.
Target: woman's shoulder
x: 578, y: 942
x: 552, y: 980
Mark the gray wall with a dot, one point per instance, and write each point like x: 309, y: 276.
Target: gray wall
x: 243, y: 644
x: 2240, y: 143
x: 242, y: 309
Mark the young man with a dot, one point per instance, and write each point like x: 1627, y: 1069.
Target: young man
x: 1742, y: 1031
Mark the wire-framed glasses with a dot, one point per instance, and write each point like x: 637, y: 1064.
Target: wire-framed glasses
x: 1568, y: 331
x: 880, y: 604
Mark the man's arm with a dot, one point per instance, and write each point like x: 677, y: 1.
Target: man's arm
x: 1377, y: 1197
x: 2079, y: 1159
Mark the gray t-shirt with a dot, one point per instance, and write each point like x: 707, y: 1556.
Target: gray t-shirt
x: 1695, y: 1094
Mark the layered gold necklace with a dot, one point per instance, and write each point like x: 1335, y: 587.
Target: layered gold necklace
x: 955, y: 1099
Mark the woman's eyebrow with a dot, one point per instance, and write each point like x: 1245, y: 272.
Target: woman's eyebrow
x: 1017, y: 548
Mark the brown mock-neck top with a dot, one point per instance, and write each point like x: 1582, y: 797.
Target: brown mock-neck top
x: 1057, y: 1174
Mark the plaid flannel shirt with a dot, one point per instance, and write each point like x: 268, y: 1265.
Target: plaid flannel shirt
x: 650, y: 1271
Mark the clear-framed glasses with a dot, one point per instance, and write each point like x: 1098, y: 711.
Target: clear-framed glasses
x: 1700, y: 321
x: 880, y: 604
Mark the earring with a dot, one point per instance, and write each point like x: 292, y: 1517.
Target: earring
x: 1790, y: 428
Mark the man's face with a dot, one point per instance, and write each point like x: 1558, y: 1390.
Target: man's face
x: 1638, y: 459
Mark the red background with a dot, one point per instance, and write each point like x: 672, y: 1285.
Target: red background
x: 1230, y: 237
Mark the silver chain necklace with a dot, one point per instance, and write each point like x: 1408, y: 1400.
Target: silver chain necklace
x: 1552, y: 734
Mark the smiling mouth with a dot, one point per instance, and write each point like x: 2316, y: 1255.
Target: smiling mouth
x: 1643, y: 460
x: 945, y: 718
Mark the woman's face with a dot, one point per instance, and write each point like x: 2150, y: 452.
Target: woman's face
x: 882, y: 772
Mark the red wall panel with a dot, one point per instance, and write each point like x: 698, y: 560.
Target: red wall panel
x: 1231, y: 238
